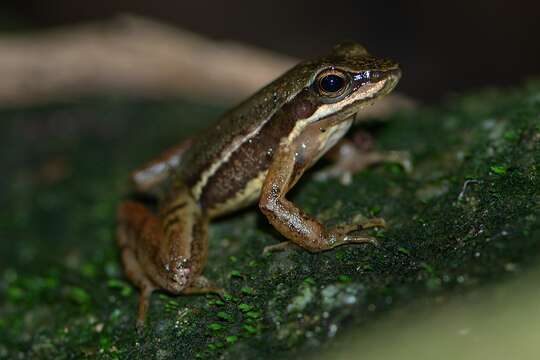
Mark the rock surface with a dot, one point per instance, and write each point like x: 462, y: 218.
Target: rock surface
x: 467, y: 215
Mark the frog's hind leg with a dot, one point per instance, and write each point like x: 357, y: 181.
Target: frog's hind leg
x: 149, y: 177
x: 132, y: 217
x: 164, y: 250
x: 137, y: 277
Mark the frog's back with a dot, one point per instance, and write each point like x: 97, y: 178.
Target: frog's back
x: 215, y: 145
x: 225, y: 166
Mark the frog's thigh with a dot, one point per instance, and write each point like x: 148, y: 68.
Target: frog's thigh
x: 152, y: 174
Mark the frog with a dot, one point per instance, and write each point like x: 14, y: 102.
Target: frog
x: 254, y: 153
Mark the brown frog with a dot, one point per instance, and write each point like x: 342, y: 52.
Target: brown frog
x: 255, y: 152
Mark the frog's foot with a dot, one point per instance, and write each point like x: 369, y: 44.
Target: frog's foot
x: 368, y: 224
x: 343, y: 234
x: 282, y: 246
x: 351, y: 157
x: 136, y: 275
x: 337, y: 236
x: 402, y: 158
x: 348, y: 233
x: 202, y: 285
x: 144, y: 303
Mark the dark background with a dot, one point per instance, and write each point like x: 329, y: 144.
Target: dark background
x: 444, y: 47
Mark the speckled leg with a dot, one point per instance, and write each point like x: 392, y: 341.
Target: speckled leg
x: 305, y: 231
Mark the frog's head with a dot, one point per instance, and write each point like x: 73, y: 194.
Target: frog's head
x: 341, y: 83
x: 354, y: 74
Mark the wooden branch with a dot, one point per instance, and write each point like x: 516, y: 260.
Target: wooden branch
x: 130, y: 55
x: 134, y: 56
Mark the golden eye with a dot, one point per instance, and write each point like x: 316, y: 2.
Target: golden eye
x: 332, y: 83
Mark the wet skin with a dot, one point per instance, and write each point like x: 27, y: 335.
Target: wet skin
x: 255, y: 152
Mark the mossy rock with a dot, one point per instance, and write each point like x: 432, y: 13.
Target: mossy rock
x: 467, y: 215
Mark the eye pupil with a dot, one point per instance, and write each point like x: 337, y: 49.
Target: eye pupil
x: 332, y: 83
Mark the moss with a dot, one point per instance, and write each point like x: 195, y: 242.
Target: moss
x: 499, y: 169
x: 224, y: 316
x: 467, y: 215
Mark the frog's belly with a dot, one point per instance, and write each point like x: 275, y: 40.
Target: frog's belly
x: 248, y: 195
x: 330, y: 138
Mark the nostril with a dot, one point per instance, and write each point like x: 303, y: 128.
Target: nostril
x: 375, y: 75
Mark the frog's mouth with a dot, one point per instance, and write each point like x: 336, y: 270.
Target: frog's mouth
x: 380, y: 83
x: 389, y: 77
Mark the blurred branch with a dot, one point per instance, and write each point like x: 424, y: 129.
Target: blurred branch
x: 130, y: 55
x: 133, y: 56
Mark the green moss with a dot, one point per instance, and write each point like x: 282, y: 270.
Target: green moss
x: 253, y: 314
x: 246, y: 290
x: 251, y: 330
x: 215, y: 327
x: 404, y: 250
x: 245, y: 307
x: 467, y: 215
x: 499, y: 169
x: 122, y: 286
x: 78, y: 295
x: 231, y: 339
x: 216, y: 302
x: 224, y: 316
x: 235, y: 274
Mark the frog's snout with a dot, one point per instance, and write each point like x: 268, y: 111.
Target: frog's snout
x: 391, y: 78
x: 395, y: 73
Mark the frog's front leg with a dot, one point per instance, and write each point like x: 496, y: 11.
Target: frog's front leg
x: 300, y: 228
x: 351, y: 156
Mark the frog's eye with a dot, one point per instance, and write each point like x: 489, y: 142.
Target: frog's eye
x: 332, y: 83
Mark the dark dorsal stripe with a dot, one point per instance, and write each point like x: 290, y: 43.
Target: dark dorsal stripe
x: 253, y: 156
